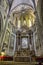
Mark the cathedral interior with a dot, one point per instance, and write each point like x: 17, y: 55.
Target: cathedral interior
x: 21, y: 30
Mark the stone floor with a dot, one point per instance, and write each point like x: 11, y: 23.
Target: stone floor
x: 17, y: 63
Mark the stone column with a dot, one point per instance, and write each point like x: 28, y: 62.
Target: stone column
x: 34, y: 43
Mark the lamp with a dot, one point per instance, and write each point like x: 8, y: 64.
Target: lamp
x: 3, y: 53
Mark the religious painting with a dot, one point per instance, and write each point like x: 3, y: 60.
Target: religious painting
x: 24, y: 42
